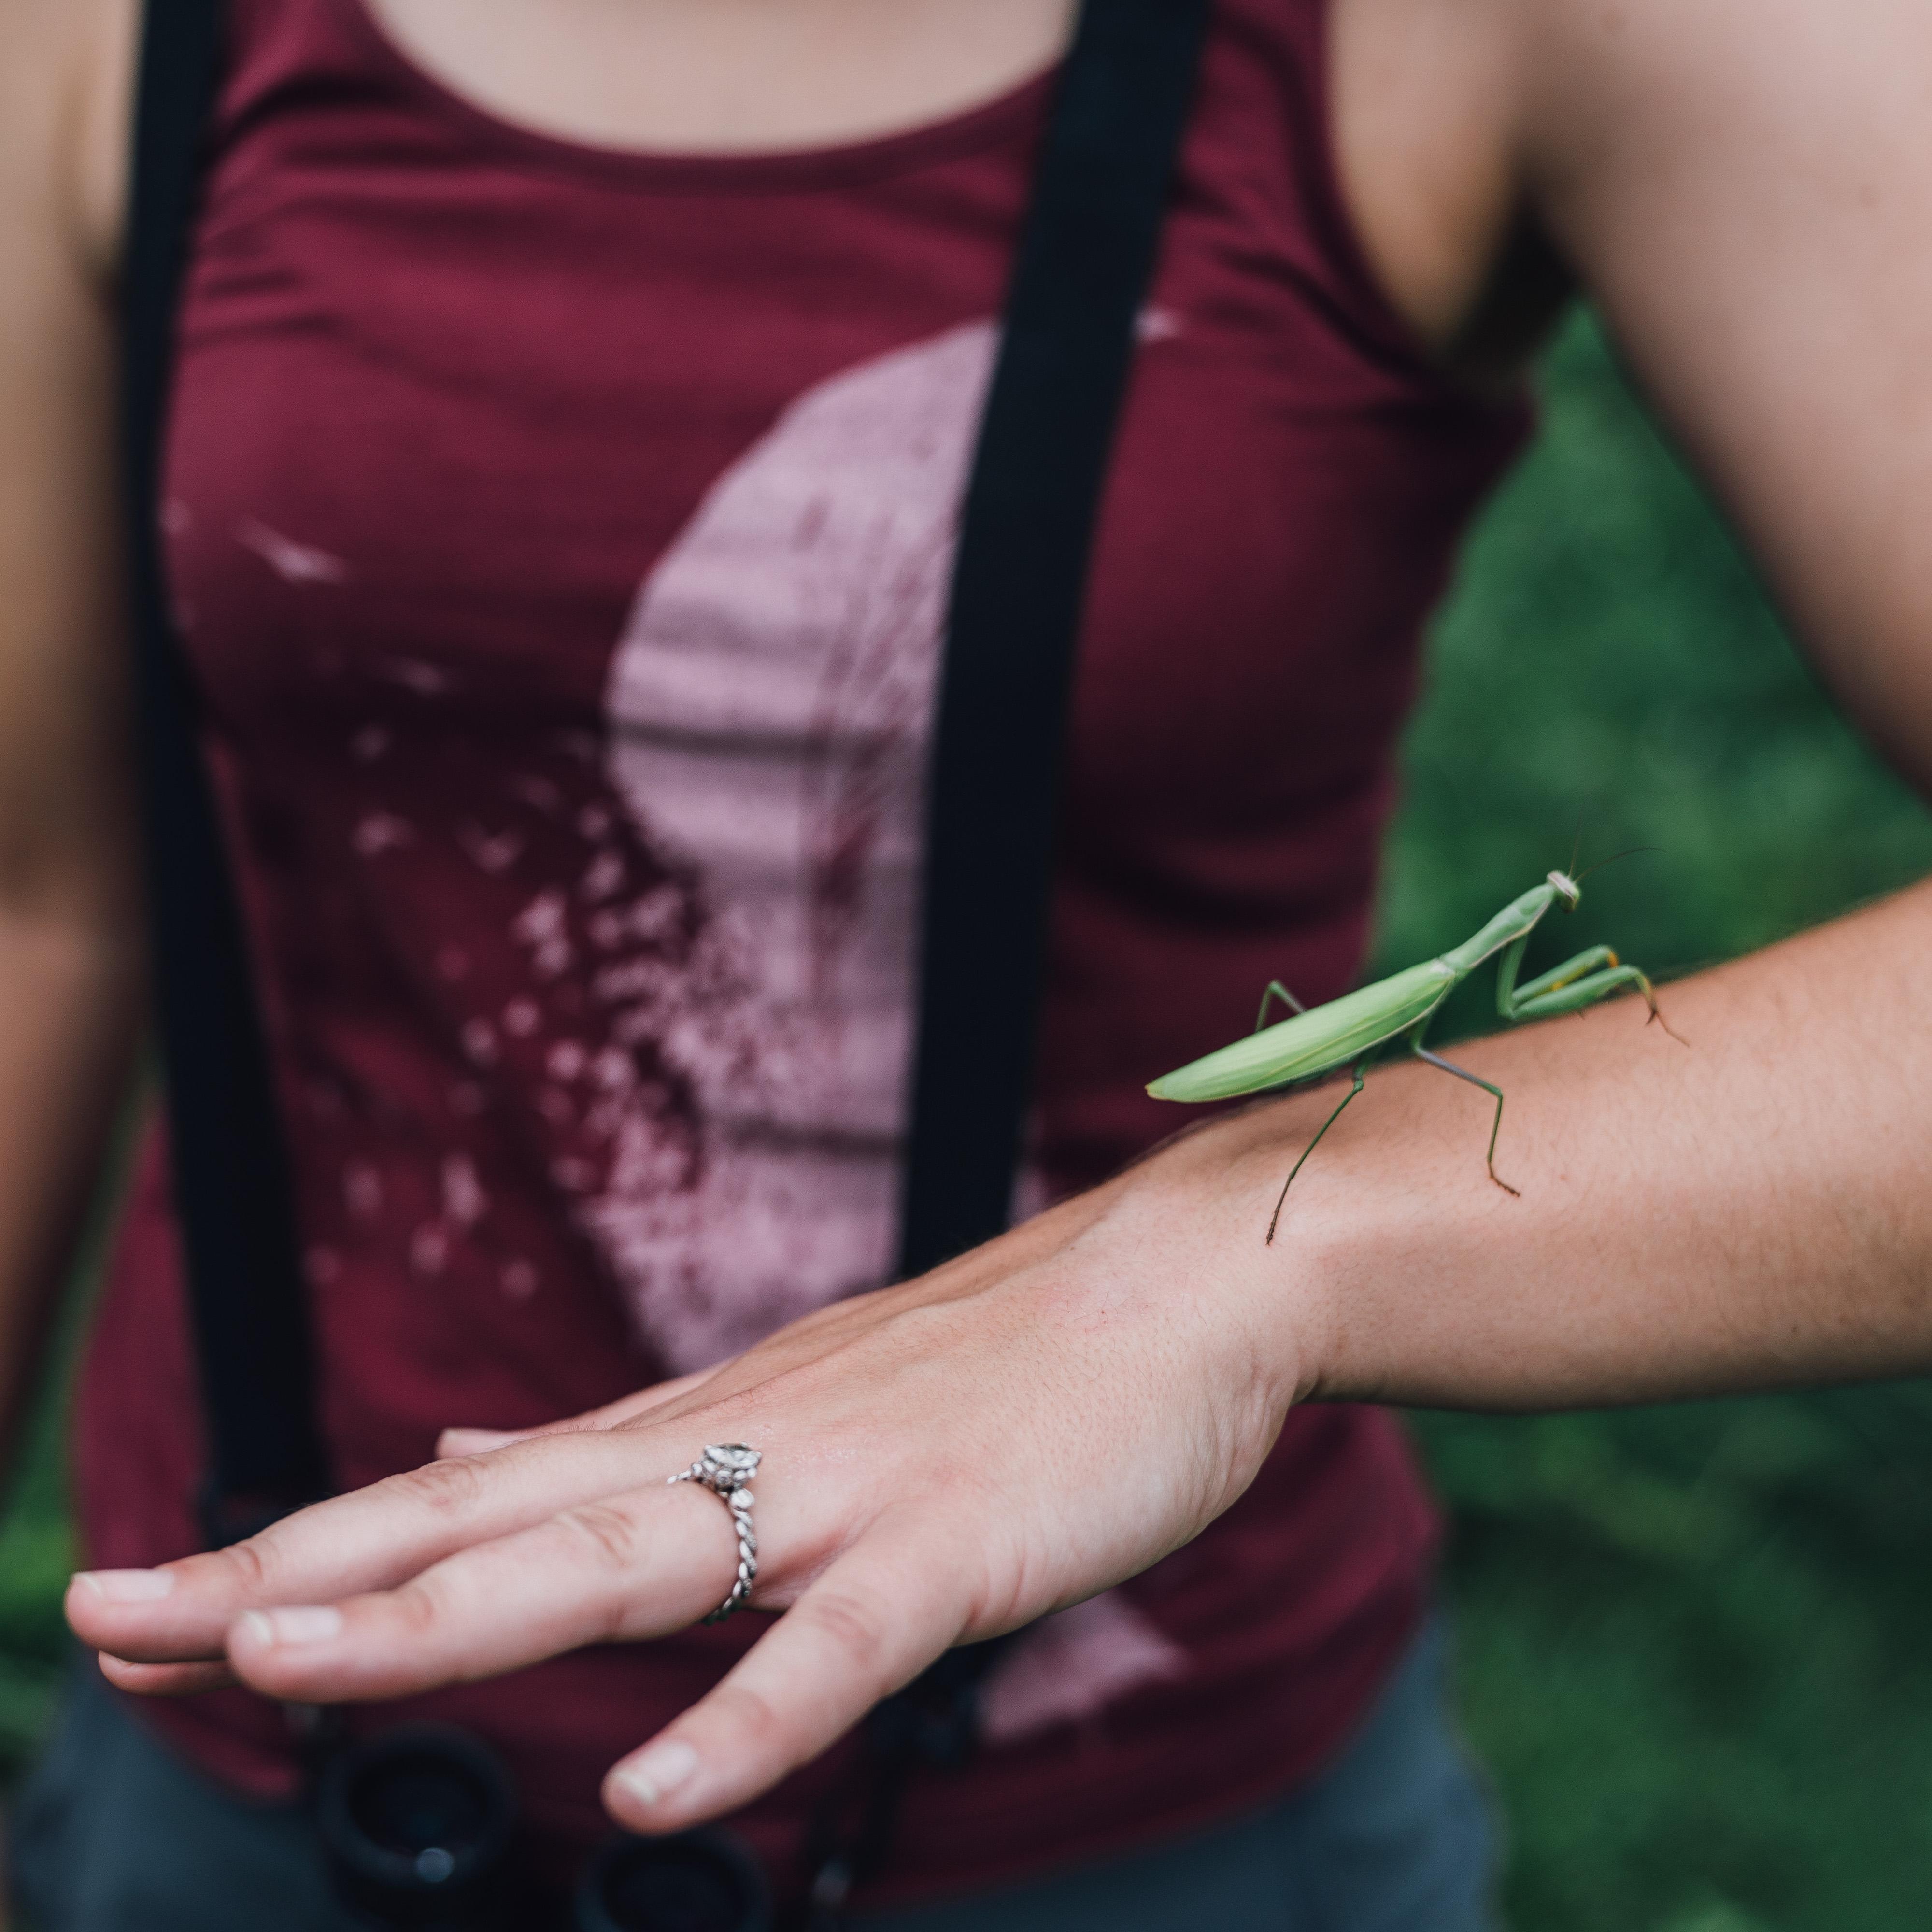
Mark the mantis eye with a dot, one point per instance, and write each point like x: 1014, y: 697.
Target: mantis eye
x: 1568, y: 890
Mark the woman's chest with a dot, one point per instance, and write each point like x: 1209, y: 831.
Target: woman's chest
x: 464, y: 414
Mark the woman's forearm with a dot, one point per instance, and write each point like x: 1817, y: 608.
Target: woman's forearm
x: 1752, y: 1210
x: 70, y: 1009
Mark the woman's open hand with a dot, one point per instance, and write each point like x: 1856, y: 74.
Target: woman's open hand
x: 943, y: 1461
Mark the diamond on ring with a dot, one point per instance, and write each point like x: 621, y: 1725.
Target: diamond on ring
x: 726, y: 1469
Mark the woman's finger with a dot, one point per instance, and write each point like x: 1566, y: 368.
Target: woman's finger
x: 166, y: 1680
x: 373, y: 1540
x: 626, y: 1409
x: 631, y: 1566
x: 867, y: 1626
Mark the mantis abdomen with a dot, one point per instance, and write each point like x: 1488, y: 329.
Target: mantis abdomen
x: 1313, y: 1042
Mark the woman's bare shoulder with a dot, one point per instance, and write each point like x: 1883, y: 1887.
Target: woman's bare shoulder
x: 64, y: 74
x: 66, y: 90
x: 1428, y: 107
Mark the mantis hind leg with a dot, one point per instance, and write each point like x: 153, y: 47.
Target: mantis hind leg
x: 1276, y: 991
x: 1463, y: 1073
x: 1274, y: 1219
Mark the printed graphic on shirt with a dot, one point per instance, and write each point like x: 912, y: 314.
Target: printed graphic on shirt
x: 1066, y: 1667
x: 770, y: 706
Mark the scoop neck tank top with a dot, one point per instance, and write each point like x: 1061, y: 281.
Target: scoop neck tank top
x: 561, y: 536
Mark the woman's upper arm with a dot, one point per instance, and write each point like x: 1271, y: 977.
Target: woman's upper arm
x: 65, y: 68
x: 1746, y: 187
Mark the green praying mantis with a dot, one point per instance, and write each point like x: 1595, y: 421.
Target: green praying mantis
x: 1351, y: 1031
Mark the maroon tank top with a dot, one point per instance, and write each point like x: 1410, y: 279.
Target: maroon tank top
x: 563, y: 538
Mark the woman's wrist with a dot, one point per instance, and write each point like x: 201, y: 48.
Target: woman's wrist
x: 1207, y: 1197
x: 1391, y: 1212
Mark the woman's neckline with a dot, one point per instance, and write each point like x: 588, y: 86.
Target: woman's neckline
x: 1018, y: 109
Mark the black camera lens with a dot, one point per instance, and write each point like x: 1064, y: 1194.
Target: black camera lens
x: 415, y: 1823
x: 701, y: 1881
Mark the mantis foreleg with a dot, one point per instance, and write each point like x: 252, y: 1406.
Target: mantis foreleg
x: 1568, y: 988
x: 1360, y: 1074
x: 1531, y: 1004
x: 1557, y: 978
x: 1276, y: 991
x: 1463, y: 1073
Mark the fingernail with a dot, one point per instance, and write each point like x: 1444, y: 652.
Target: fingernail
x: 127, y: 1586
x: 661, y: 1768
x: 302, y: 1623
x: 471, y: 1441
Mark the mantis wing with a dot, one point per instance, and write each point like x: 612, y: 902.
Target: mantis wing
x: 1314, y: 1042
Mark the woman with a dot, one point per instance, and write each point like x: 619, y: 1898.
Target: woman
x: 462, y: 267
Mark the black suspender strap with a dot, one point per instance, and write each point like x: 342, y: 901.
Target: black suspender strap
x: 1085, y: 262
x: 233, y: 1191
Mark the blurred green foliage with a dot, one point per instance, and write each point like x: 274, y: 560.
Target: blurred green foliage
x: 37, y: 1546
x: 1691, y: 1638
x: 36, y: 1554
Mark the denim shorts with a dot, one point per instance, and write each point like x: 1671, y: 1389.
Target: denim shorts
x: 114, y: 1833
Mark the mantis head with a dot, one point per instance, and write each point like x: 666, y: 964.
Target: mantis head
x: 1570, y: 890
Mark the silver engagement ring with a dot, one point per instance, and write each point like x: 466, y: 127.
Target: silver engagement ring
x: 725, y: 1469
